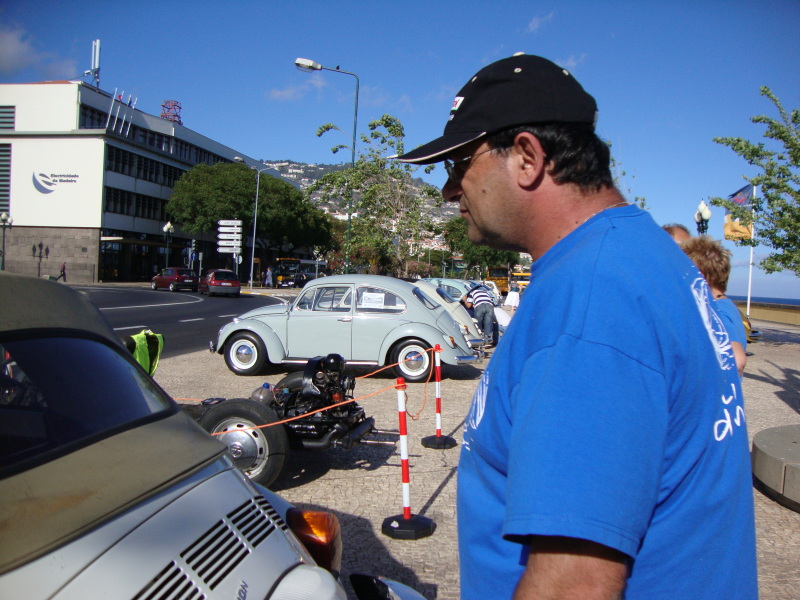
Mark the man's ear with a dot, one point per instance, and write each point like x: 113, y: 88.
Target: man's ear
x: 530, y: 159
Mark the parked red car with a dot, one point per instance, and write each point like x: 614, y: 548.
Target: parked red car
x: 220, y: 282
x: 174, y: 279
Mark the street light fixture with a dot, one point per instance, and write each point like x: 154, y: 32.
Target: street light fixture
x: 258, y: 171
x: 6, y: 222
x: 308, y: 65
x: 168, y: 229
x: 702, y: 217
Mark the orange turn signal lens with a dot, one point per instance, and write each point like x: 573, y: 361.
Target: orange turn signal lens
x: 321, y: 534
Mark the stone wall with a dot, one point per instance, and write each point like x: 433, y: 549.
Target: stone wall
x: 79, y: 247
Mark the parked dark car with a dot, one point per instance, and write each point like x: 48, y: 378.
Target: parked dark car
x: 174, y: 279
x: 109, y: 490
x: 220, y: 282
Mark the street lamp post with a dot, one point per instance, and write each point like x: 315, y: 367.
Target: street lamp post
x: 702, y: 217
x: 168, y: 229
x: 307, y: 65
x: 6, y: 222
x: 258, y: 171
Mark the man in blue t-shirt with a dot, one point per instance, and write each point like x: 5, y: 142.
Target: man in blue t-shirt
x: 605, y: 454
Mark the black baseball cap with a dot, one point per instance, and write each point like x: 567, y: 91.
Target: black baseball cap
x: 519, y: 90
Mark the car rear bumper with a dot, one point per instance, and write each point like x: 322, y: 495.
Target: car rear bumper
x: 465, y: 360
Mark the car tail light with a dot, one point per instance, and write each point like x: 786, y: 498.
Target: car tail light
x: 320, y: 533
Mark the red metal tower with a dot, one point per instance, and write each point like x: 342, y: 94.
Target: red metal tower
x: 171, y: 111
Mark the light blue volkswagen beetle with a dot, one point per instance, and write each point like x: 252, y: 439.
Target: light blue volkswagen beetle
x: 368, y: 319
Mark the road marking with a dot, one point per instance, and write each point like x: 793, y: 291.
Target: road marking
x: 190, y: 320
x: 191, y: 301
x: 131, y: 327
x: 227, y: 316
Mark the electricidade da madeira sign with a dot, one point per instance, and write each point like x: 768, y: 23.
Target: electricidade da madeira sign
x: 229, y: 236
x: 46, y: 184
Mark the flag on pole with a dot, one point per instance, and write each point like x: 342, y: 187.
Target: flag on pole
x: 733, y: 228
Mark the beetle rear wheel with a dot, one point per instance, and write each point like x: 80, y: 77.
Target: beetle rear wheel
x: 414, y: 360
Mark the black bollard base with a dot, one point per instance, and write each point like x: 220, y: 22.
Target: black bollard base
x: 442, y: 442
x: 400, y: 528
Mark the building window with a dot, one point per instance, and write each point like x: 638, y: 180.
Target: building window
x: 7, y: 117
x: 5, y: 177
x: 123, y: 202
x: 91, y: 118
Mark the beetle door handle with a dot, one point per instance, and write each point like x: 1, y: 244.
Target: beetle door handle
x: 345, y: 319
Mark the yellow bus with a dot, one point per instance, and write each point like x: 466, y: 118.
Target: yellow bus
x: 499, y: 275
x: 523, y: 278
x: 296, y: 272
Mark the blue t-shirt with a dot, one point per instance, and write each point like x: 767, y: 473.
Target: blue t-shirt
x: 612, y: 411
x: 732, y: 319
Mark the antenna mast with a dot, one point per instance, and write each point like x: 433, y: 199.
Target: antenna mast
x: 95, y: 70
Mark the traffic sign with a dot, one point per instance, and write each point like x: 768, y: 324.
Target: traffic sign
x: 229, y: 242
x: 230, y: 229
x: 229, y: 236
x: 230, y: 249
x: 229, y: 222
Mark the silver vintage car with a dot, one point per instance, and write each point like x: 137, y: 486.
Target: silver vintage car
x: 108, y: 490
x: 367, y: 319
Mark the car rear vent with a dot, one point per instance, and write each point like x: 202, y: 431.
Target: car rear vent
x: 171, y: 584
x: 214, y: 555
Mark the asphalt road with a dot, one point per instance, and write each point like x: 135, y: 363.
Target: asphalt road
x: 188, y: 321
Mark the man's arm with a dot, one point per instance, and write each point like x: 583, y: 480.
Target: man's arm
x: 741, y: 357
x: 570, y: 568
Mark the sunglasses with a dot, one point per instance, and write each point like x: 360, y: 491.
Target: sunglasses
x: 456, y: 169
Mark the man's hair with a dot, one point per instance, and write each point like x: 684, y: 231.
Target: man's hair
x: 573, y: 150
x: 671, y: 227
x: 711, y: 258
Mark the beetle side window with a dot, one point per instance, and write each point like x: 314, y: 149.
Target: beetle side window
x: 376, y: 300
x: 306, y: 300
x: 333, y: 299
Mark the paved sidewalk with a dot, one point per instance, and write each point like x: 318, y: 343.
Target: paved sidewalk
x: 363, y: 486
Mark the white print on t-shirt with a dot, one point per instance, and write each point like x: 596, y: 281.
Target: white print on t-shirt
x: 477, y: 409
x: 724, y: 426
x: 716, y: 330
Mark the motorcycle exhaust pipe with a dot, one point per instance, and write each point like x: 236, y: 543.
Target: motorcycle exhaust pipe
x: 326, y: 441
x: 355, y: 436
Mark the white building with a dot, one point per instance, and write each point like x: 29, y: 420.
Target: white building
x: 86, y: 178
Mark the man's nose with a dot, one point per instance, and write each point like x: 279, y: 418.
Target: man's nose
x: 451, y: 190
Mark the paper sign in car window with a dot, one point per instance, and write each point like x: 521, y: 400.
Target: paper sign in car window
x: 372, y: 300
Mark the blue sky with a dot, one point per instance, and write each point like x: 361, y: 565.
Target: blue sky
x: 667, y: 76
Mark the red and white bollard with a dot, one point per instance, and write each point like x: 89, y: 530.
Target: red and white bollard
x: 438, y: 441
x: 406, y: 526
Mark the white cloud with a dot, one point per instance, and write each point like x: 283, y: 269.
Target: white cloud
x: 537, y: 22
x: 571, y: 62
x: 16, y: 52
x: 295, y: 92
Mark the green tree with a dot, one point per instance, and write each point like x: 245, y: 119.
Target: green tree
x: 455, y: 234
x: 776, y: 209
x: 206, y: 194
x: 384, y: 195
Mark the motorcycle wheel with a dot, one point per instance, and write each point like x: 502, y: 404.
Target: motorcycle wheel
x: 245, y: 354
x: 259, y: 453
x: 413, y: 360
